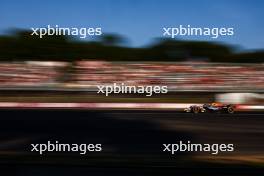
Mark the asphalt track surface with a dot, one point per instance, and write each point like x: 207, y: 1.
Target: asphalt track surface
x: 132, y: 142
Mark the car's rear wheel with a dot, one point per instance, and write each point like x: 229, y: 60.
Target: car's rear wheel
x: 196, y: 109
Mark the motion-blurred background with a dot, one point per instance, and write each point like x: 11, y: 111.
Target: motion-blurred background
x: 132, y: 50
x: 57, y: 63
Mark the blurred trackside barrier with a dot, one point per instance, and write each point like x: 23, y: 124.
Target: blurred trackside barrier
x: 114, y: 106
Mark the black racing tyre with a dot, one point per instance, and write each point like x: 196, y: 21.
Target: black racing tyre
x: 230, y: 109
x: 196, y: 109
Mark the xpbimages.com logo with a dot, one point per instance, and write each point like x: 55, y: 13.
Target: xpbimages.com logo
x: 73, y: 31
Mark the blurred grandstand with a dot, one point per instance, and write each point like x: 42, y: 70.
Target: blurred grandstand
x: 46, y: 70
x: 86, y: 75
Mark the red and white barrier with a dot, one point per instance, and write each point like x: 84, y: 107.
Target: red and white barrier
x: 22, y: 105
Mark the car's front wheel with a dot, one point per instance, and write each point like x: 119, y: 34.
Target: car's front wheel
x: 230, y: 110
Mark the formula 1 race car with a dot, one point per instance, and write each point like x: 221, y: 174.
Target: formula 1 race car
x: 213, y: 107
